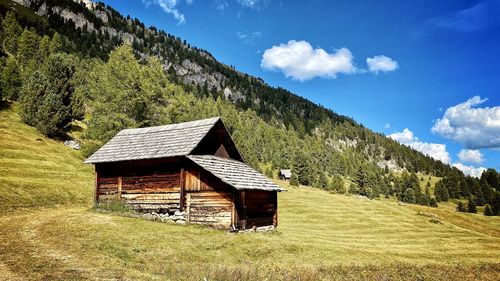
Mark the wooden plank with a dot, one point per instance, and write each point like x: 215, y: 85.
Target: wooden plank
x: 275, y: 216
x: 181, y: 204
x: 119, y: 187
x: 154, y: 196
x: 188, y: 207
x: 96, y: 189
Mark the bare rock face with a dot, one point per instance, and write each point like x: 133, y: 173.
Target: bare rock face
x: 25, y: 3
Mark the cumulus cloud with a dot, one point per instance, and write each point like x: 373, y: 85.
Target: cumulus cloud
x: 469, y: 170
x: 435, y: 150
x: 170, y: 7
x: 381, y: 63
x: 478, y: 17
x: 248, y: 37
x: 470, y: 156
x: 299, y: 60
x: 471, y: 126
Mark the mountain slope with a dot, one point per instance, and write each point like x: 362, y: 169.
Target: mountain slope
x: 94, y: 29
x: 36, y: 171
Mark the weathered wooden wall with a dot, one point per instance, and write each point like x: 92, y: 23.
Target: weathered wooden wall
x: 144, y: 185
x: 207, y: 200
x: 160, y: 185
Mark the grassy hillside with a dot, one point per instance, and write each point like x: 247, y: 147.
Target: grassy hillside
x: 36, y: 171
x: 321, y: 236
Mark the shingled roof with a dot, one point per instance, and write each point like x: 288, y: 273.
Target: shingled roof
x: 154, y: 142
x: 236, y: 174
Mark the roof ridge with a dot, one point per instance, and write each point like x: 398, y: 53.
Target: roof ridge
x: 168, y: 127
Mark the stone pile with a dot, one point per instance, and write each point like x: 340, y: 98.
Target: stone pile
x: 177, y: 217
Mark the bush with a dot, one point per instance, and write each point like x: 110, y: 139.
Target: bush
x: 114, y: 205
x: 461, y: 207
x: 433, y: 203
x: 337, y: 185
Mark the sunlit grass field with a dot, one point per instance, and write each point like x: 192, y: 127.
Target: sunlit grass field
x: 321, y: 236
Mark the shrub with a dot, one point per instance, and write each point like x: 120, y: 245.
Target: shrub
x: 461, y: 207
x: 114, y: 205
x: 433, y: 203
x: 337, y: 185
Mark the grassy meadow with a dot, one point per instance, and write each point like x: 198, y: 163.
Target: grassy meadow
x: 48, y: 231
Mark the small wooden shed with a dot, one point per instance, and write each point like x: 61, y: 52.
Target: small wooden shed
x: 285, y: 174
x: 192, y: 167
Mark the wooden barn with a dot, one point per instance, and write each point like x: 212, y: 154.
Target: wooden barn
x: 192, y: 167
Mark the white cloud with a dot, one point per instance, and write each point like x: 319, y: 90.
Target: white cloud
x: 249, y: 37
x: 435, y: 150
x: 470, y: 126
x: 469, y: 170
x: 387, y: 125
x: 381, y: 63
x: 170, y: 7
x: 470, y: 155
x: 252, y: 4
x: 299, y: 60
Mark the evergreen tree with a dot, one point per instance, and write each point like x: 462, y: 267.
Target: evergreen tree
x: 294, y: 180
x: 322, y: 181
x: 441, y: 192
x: 409, y: 196
x: 302, y: 167
x: 488, y: 211
x: 10, y: 80
x: 27, y: 50
x: 10, y: 33
x: 47, y: 101
x: 496, y: 204
x: 471, y: 206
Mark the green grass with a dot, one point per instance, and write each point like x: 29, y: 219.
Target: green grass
x: 38, y: 172
x: 321, y: 236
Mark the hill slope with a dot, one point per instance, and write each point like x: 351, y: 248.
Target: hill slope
x: 36, y: 171
x: 321, y: 236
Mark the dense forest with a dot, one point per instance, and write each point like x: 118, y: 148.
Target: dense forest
x: 63, y: 76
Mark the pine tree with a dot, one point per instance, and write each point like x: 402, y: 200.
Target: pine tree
x: 294, y: 180
x: 488, y: 211
x: 10, y: 79
x: 11, y: 32
x: 471, y: 206
x: 409, y: 196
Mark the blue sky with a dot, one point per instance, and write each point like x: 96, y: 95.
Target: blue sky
x: 424, y: 72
